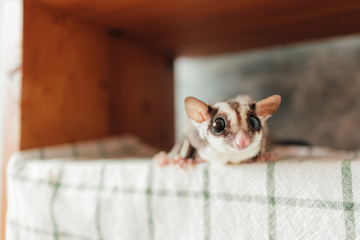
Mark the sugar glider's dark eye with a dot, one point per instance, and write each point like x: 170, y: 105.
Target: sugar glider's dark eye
x: 255, y: 122
x: 218, y: 125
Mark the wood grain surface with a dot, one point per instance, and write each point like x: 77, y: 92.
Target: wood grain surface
x: 142, y: 93
x: 206, y: 27
x: 66, y: 74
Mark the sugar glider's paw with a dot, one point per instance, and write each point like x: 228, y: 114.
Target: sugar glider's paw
x: 267, y: 157
x: 161, y: 159
x: 183, y: 163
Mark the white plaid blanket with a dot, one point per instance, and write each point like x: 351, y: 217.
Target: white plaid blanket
x: 312, y: 193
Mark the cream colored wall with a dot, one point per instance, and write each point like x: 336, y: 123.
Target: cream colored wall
x: 10, y: 50
x: 10, y: 55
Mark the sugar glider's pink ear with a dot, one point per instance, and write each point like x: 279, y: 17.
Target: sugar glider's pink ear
x: 268, y: 106
x: 196, y: 109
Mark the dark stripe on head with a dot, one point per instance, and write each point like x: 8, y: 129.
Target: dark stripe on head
x: 235, y: 106
x: 252, y: 106
x: 212, y: 112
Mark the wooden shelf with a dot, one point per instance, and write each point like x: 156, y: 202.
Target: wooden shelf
x: 202, y: 27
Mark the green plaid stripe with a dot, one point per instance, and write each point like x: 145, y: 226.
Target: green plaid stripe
x: 309, y: 203
x: 52, y: 201
x: 292, y: 202
x: 281, y: 201
x: 206, y: 195
x: 44, y: 232
x: 239, y: 198
x: 98, y: 202
x: 347, y: 205
x: 149, y: 193
x: 270, y: 188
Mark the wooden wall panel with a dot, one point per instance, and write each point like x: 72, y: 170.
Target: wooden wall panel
x: 203, y: 27
x: 142, y: 97
x: 65, y: 79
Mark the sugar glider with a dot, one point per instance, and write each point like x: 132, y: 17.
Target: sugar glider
x: 232, y: 131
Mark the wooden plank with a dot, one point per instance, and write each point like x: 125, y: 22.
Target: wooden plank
x: 210, y: 27
x: 270, y: 34
x: 77, y: 80
x: 142, y: 97
x: 65, y: 79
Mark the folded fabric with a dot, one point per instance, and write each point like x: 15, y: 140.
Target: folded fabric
x: 82, y: 191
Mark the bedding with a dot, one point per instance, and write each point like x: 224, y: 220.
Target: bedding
x: 109, y: 189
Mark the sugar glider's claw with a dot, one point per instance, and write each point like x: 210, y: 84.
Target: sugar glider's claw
x: 183, y: 163
x: 179, y: 161
x: 161, y: 159
x: 176, y: 160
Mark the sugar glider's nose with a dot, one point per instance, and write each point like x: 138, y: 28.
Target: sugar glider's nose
x: 241, y: 141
